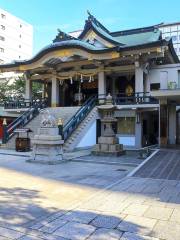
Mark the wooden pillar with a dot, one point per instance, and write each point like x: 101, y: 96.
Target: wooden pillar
x: 163, y: 122
x: 28, y: 88
x: 55, y: 92
x: 101, y: 86
x: 139, y: 77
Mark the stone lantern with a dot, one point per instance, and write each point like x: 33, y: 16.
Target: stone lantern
x: 108, y: 143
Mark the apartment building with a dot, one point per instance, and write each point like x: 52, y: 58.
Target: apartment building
x: 16, y: 38
x: 172, y: 30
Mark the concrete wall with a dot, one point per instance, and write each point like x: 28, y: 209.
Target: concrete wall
x: 89, y: 139
x: 127, y: 140
x: 156, y: 74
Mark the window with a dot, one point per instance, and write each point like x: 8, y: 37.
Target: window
x: 2, y: 27
x: 2, y: 38
x: 3, y: 16
x: 1, y: 49
x: 155, y: 86
x: 174, y: 38
x: 20, y: 26
x: 19, y: 57
x: 126, y: 125
x: 1, y: 61
x: 19, y: 46
x: 20, y: 35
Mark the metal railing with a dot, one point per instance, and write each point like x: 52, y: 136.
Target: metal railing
x: 22, y: 120
x: 135, y: 98
x: 23, y: 103
x: 73, y: 123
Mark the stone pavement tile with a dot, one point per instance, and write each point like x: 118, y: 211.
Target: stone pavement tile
x: 136, y: 209
x: 3, y: 238
x: 152, y: 188
x: 36, y: 234
x: 167, y: 230
x: 174, y: 202
x: 135, y: 198
x: 170, y: 190
x: 113, y: 206
x: 28, y: 237
x: 132, y: 236
x: 115, y: 197
x: 52, y: 226
x: 140, y: 225
x: 105, y: 234
x: 160, y: 213
x: 168, y: 183
x: 136, y: 188
x: 122, y: 186
x: 79, y: 216
x: 10, y: 233
x: 175, y: 217
x: 94, y: 203
x: 106, y: 221
x: 154, y: 202
x: 75, y: 231
x: 44, y: 220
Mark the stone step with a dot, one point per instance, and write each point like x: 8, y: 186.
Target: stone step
x: 60, y: 112
x: 73, y: 140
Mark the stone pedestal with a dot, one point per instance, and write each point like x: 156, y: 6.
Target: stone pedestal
x: 47, y: 146
x: 108, y: 144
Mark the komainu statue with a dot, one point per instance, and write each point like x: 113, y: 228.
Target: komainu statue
x: 47, y: 119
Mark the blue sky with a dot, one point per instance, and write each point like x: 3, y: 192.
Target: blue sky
x: 69, y: 15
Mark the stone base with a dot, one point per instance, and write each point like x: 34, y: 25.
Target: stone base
x: 111, y: 154
x: 47, y: 149
x: 108, y: 140
x: 105, y: 149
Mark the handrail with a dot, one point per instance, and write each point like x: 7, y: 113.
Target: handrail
x: 135, y: 98
x: 73, y: 123
x: 21, y: 121
x: 22, y: 103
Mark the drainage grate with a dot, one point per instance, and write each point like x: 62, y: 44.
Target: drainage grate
x: 121, y: 170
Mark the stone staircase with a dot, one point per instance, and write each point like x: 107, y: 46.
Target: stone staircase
x: 59, y: 112
x: 72, y: 142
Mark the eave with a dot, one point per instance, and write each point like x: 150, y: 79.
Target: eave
x: 89, y: 26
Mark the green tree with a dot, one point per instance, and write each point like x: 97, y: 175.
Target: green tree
x: 17, y: 88
x: 4, y: 89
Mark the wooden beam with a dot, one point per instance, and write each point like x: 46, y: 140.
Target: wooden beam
x: 127, y: 68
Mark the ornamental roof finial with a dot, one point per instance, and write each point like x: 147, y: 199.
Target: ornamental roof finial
x: 62, y: 36
x: 90, y: 17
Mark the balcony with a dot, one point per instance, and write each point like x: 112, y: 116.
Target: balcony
x: 172, y: 93
x: 139, y: 98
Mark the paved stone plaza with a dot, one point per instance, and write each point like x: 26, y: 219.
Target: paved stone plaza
x: 79, y: 200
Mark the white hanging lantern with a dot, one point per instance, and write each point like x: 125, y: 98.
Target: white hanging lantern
x: 81, y: 78
x: 71, y: 80
x: 90, y: 78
